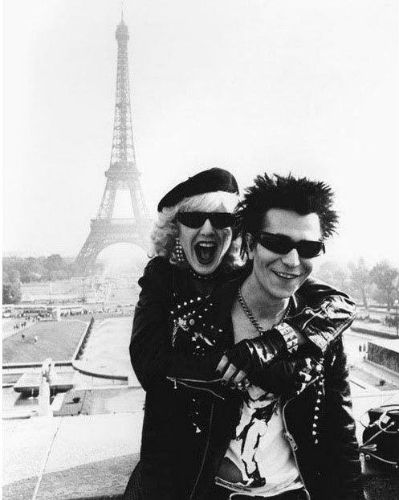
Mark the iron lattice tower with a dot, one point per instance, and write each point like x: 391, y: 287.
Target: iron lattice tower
x: 122, y: 174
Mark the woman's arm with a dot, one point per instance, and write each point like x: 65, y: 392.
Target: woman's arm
x: 151, y: 348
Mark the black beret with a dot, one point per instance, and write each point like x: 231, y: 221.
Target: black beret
x: 207, y: 181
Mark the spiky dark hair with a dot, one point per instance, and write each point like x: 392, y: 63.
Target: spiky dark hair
x: 300, y: 195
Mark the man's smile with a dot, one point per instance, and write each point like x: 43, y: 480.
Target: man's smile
x: 286, y: 276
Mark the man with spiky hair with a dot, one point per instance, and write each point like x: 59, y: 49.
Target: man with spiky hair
x: 285, y: 446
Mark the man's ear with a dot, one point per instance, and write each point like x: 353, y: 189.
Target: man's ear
x: 251, y: 243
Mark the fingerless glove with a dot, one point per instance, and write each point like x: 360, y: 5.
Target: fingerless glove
x: 254, y: 355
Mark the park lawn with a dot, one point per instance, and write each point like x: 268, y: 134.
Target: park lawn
x: 55, y: 339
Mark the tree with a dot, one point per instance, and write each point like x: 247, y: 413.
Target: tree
x: 54, y: 262
x: 14, y: 276
x: 333, y: 273
x: 360, y: 279
x: 385, y: 277
x: 11, y: 292
x: 56, y: 267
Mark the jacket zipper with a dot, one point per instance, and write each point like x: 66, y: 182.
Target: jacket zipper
x: 205, y: 453
x: 293, y: 444
x: 287, y: 434
x: 186, y: 383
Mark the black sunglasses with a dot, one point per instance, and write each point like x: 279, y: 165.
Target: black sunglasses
x: 195, y: 220
x: 279, y: 243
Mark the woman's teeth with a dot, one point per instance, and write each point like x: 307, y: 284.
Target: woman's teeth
x: 205, y: 251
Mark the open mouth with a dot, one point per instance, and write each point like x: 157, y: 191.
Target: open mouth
x: 286, y: 276
x: 205, y: 252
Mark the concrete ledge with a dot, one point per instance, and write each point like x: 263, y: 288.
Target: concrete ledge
x: 373, y: 332
x: 70, y: 458
x: 19, y: 366
x: 93, y: 371
x: 104, y: 479
x: 83, y: 340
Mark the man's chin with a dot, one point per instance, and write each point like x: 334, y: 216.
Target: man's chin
x: 288, y: 288
x: 282, y: 292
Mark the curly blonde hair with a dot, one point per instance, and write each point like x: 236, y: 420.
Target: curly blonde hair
x: 166, y: 230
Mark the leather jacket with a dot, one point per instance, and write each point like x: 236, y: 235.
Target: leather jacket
x: 177, y: 339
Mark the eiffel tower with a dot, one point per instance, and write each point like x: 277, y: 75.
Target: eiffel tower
x: 122, y: 174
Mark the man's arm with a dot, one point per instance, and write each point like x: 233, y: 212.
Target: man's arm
x: 339, y: 451
x: 341, y: 465
x: 325, y: 314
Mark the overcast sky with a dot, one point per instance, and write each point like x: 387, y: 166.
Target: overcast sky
x: 307, y: 86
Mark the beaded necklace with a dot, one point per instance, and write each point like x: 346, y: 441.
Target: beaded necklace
x: 204, y: 277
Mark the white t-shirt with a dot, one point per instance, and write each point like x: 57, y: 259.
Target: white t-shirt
x: 260, y: 455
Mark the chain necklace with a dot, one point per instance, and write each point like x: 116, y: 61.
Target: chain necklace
x: 252, y: 318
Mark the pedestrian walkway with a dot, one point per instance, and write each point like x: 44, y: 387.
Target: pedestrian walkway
x: 375, y: 329
x: 107, y: 351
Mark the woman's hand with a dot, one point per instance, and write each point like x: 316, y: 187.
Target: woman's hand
x: 250, y: 357
x: 231, y: 374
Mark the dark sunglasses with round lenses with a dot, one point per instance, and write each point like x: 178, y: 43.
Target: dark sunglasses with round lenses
x: 195, y: 220
x: 282, y: 244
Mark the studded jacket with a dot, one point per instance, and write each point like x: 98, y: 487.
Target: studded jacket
x: 177, y: 339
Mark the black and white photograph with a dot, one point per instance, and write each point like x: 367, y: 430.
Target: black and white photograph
x: 200, y: 250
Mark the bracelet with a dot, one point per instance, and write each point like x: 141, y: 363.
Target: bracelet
x: 289, y: 336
